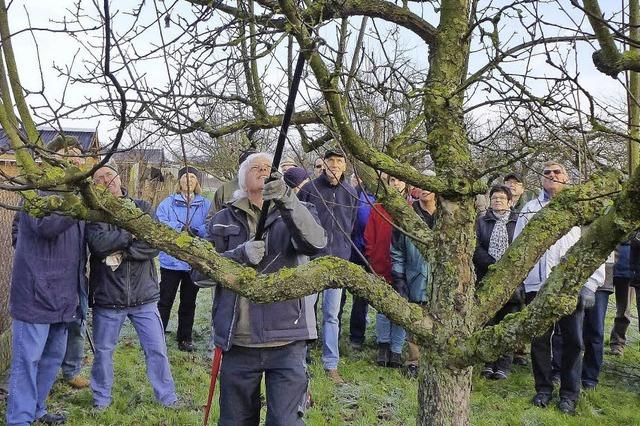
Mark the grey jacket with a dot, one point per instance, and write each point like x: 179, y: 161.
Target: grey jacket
x: 292, y: 234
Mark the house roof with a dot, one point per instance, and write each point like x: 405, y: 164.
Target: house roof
x: 85, y: 137
x: 145, y: 155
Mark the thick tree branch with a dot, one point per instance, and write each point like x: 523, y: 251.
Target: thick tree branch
x: 574, y: 206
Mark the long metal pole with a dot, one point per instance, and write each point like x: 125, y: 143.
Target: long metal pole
x: 282, y: 137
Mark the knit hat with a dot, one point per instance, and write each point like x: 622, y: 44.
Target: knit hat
x: 188, y: 169
x: 61, y: 142
x: 294, y: 176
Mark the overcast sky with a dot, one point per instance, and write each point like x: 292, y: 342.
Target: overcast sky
x: 59, y: 49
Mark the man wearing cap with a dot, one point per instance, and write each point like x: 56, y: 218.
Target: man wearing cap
x: 519, y: 197
x: 337, y: 204
x: 47, y: 285
x: 123, y: 284
x: 287, y: 163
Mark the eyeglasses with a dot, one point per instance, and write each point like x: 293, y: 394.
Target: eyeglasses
x: 318, y: 166
x: 499, y: 197
x: 556, y: 172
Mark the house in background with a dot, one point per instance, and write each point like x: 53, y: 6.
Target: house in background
x: 88, y: 139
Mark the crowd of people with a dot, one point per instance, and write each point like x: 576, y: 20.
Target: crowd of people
x: 62, y: 266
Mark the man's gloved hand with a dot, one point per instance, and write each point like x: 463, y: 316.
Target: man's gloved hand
x: 254, y: 251
x: 587, y: 298
x: 275, y: 190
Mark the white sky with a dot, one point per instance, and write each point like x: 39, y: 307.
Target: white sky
x: 59, y: 49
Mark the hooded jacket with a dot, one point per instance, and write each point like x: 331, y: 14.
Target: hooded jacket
x: 377, y: 241
x: 134, y: 282
x: 292, y: 234
x: 48, y: 269
x: 172, y: 211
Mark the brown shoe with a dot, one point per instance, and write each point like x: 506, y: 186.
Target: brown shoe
x: 78, y: 382
x: 616, y: 350
x: 334, y: 376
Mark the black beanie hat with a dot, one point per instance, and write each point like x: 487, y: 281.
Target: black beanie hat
x: 188, y: 169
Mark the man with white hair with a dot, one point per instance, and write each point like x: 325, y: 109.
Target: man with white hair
x: 554, y: 180
x: 264, y: 339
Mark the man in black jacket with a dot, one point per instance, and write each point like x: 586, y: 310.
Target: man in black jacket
x: 123, y: 284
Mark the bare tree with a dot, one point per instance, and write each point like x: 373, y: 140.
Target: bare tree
x: 225, y: 68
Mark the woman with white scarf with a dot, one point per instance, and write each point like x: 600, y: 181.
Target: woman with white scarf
x: 494, y: 233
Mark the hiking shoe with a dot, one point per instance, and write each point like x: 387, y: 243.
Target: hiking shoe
x: 520, y: 360
x: 411, y: 371
x: 616, y: 350
x: 98, y: 409
x: 395, y: 360
x: 186, y: 346
x: 567, y: 406
x: 78, y: 382
x: 334, y: 376
x: 52, y: 419
x: 383, y: 354
x: 178, y: 404
x: 487, y: 371
x: 541, y: 399
x: 499, y: 375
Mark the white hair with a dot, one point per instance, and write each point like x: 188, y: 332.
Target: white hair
x: 241, y: 192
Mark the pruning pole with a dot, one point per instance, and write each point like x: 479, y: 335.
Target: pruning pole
x: 282, y: 137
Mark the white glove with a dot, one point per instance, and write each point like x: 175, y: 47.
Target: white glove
x: 276, y: 189
x: 254, y: 251
x: 113, y: 260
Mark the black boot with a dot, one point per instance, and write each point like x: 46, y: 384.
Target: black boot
x: 383, y: 354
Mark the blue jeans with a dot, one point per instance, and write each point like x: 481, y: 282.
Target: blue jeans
x: 389, y: 332
x: 107, y: 324
x: 285, y: 378
x: 593, y: 336
x: 330, y: 328
x: 74, y: 354
x: 36, y: 354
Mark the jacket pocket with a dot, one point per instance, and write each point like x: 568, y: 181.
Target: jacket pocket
x: 49, y: 291
x: 283, y: 315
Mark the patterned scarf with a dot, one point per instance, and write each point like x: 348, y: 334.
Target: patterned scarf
x: 499, y: 240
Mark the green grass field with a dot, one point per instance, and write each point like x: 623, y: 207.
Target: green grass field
x: 373, y: 395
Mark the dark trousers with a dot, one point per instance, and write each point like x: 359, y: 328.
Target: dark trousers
x: 623, y: 306
x: 571, y: 362
x: 358, y: 319
x: 286, y: 384
x: 170, y: 280
x: 504, y: 362
x: 593, y: 336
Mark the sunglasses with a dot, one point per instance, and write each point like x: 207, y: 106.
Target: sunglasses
x: 318, y: 166
x: 547, y: 172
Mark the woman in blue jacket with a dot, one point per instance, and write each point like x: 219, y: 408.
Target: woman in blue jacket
x: 186, y: 210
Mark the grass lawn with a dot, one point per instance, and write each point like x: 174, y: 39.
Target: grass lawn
x: 372, y: 395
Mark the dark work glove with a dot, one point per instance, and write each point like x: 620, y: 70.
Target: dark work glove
x: 518, y: 296
x: 192, y: 231
x: 587, y: 298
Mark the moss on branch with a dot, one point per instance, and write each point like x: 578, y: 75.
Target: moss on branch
x: 575, y: 206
